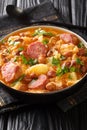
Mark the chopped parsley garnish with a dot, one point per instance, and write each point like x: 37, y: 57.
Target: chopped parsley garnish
x: 72, y: 69
x: 32, y: 61
x: 24, y: 59
x: 80, y: 45
x: 38, y: 32
x: 45, y: 41
x: 42, y: 32
x: 18, y: 80
x: 65, y: 70
x: 28, y: 61
x: 60, y: 71
x: 55, y: 61
x: 78, y: 61
x: 2, y: 41
x: 20, y: 49
x: 48, y: 34
x: 16, y: 58
x: 21, y: 77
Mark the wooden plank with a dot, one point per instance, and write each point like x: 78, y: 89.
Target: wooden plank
x: 27, y: 3
x: 3, y: 122
x: 63, y: 8
x: 3, y: 4
x: 79, y: 12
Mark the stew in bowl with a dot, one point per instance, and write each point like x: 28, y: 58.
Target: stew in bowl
x: 42, y: 59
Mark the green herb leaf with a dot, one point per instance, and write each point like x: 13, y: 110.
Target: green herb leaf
x: 80, y: 45
x: 72, y: 69
x: 16, y: 58
x: 20, y: 49
x: 21, y: 77
x: 2, y: 42
x: 48, y: 34
x: 24, y: 59
x: 60, y: 71
x: 55, y: 61
x: 42, y: 32
x: 78, y: 61
x: 38, y: 32
x: 32, y: 61
x: 28, y: 61
x: 18, y: 80
x: 65, y: 70
x: 45, y: 41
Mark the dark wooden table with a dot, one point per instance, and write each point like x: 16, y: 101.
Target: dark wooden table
x: 75, y: 11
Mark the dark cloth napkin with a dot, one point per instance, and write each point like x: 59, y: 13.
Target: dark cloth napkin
x: 45, y: 11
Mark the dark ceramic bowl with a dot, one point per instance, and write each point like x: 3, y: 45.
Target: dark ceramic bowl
x: 49, y: 97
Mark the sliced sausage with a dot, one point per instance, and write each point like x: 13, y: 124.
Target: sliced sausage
x: 36, y: 49
x: 10, y: 71
x: 69, y: 38
x: 39, y: 83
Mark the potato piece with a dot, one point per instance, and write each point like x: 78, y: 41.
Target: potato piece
x: 38, y: 69
x: 72, y: 79
x: 74, y: 76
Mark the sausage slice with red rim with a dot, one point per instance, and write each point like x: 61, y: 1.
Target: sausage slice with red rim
x: 36, y: 49
x: 39, y: 83
x: 10, y: 71
x: 69, y: 38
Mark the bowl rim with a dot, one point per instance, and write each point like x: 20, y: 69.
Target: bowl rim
x: 54, y: 27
